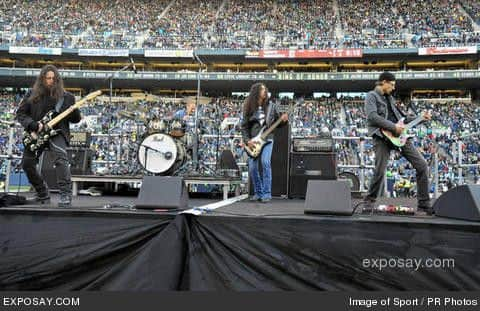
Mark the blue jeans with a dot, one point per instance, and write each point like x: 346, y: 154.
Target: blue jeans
x: 262, y: 184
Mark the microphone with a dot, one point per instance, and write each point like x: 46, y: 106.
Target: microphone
x: 133, y: 65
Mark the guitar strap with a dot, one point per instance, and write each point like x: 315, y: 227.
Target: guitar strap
x: 268, y: 116
x: 59, y: 104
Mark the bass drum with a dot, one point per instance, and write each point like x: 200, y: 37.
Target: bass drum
x: 161, y: 154
x: 352, y: 179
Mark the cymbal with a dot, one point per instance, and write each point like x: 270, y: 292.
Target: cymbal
x: 127, y: 114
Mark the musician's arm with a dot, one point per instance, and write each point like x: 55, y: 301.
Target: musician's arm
x: 277, y: 115
x: 374, y: 119
x: 23, y: 115
x: 245, y: 129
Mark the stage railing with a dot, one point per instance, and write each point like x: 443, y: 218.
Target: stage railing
x: 460, y: 164
x: 9, y: 156
x: 362, y: 166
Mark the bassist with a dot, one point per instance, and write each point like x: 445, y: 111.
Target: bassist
x: 48, y: 94
x: 258, y: 113
x: 383, y: 114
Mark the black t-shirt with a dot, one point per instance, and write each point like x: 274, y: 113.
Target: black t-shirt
x: 391, y: 114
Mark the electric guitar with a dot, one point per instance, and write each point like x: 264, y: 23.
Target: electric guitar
x: 401, y: 140
x: 36, y: 142
x: 260, y: 141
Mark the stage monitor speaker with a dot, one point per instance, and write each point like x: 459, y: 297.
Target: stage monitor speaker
x: 305, y: 166
x: 462, y: 202
x: 328, y: 197
x: 162, y: 192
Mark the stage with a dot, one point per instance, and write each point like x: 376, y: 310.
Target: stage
x: 104, y: 243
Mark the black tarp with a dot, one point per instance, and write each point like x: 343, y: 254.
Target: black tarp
x: 91, y: 251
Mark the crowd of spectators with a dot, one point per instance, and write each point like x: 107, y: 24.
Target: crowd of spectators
x: 189, y: 24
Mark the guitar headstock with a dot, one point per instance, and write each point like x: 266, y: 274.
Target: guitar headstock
x: 92, y: 95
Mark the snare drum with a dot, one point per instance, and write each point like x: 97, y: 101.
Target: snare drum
x: 177, y: 128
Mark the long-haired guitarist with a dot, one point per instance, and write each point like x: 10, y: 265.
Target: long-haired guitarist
x: 46, y: 95
x: 384, y: 117
x: 260, y: 113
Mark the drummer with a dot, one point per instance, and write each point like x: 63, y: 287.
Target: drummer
x: 186, y: 114
x: 185, y: 118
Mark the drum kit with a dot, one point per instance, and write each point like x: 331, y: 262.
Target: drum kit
x: 164, y: 147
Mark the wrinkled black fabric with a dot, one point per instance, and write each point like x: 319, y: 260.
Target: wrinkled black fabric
x: 111, y: 252
x: 9, y: 200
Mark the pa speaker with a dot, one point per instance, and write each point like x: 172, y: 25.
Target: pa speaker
x: 328, y: 197
x: 462, y: 202
x: 162, y: 192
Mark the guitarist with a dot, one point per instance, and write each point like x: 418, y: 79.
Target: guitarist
x: 382, y: 113
x: 258, y: 112
x: 48, y: 94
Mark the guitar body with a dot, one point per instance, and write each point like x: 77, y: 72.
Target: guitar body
x: 401, y: 140
x: 398, y: 141
x: 259, y: 143
x: 36, y: 142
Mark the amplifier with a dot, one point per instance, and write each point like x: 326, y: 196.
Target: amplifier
x: 80, y: 160
x: 312, y: 144
x: 310, y: 165
x: 80, y: 139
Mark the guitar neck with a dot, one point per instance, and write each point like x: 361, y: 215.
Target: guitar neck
x: 416, y: 121
x: 78, y: 104
x: 271, y: 128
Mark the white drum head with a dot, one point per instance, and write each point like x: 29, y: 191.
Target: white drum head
x: 157, y: 153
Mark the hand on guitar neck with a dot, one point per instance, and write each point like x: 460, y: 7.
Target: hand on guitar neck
x: 400, y: 126
x: 399, y: 136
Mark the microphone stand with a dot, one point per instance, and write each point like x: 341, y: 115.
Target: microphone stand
x: 219, y: 122
x: 109, y: 137
x: 197, y: 106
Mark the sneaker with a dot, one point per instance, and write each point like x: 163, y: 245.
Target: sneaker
x: 65, y: 201
x: 41, y: 197
x: 254, y: 198
x: 425, y: 208
x: 265, y: 200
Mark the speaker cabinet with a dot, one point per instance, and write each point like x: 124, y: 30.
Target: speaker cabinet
x: 305, y: 166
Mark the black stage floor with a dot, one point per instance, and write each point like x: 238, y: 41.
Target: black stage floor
x: 101, y: 243
x: 244, y: 208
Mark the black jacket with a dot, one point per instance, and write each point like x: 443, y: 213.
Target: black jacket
x: 251, y: 125
x: 377, y: 113
x: 28, y: 113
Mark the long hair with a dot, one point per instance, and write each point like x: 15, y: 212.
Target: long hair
x: 40, y: 89
x: 251, y: 102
